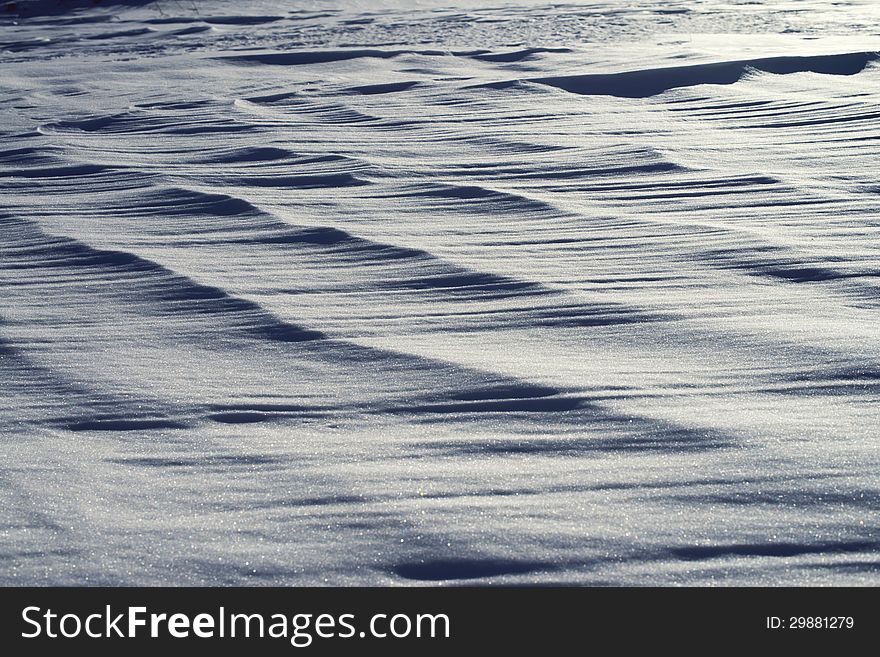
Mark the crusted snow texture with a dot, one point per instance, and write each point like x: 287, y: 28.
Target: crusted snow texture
x: 359, y: 293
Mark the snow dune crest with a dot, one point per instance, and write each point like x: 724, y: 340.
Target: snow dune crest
x: 650, y: 82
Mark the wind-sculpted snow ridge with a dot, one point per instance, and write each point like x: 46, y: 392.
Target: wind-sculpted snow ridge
x: 650, y: 82
x: 446, y: 295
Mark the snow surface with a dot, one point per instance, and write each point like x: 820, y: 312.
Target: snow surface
x: 411, y: 292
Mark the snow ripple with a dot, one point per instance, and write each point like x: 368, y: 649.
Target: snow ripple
x: 335, y: 297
